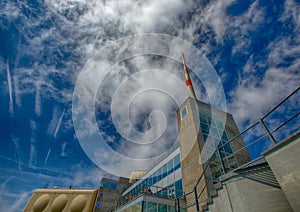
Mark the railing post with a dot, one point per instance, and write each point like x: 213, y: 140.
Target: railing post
x: 177, y: 205
x: 196, y: 199
x: 221, y: 160
x: 267, y: 130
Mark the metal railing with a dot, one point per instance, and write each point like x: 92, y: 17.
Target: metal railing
x: 206, y: 175
x: 153, y: 190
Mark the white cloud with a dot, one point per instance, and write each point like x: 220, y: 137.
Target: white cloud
x: 291, y: 10
x: 254, y: 97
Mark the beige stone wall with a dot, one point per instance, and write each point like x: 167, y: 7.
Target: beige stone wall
x: 284, y: 161
x: 191, y: 143
x: 111, y: 197
x: 245, y: 195
x: 63, y: 200
x: 191, y: 165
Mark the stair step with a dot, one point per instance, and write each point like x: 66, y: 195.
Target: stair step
x: 218, y: 185
x: 213, y: 193
x: 208, y: 200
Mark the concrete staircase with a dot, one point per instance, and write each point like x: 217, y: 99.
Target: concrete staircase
x: 269, y: 183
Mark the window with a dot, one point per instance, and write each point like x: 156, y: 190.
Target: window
x: 177, y: 162
x: 162, y: 207
x: 107, y: 184
x: 204, y: 128
x: 151, y: 207
x: 178, y: 188
x: 164, y: 171
x: 171, y: 208
x: 214, y: 132
x: 159, y: 175
x: 184, y: 112
x: 170, y: 167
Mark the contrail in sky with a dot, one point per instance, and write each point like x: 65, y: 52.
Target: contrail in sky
x: 11, y: 103
x: 59, y: 123
x: 55, y: 133
x: 48, y: 154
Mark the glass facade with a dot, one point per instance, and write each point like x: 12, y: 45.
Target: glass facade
x: 213, y: 131
x: 162, y: 182
x: 148, y: 206
x: 108, y: 184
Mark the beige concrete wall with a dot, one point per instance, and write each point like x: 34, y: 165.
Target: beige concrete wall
x: 108, y: 199
x: 244, y: 195
x: 284, y: 160
x: 221, y: 202
x: 190, y: 151
x: 191, y: 144
x: 63, y: 200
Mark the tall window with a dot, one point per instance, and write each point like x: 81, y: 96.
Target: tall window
x: 184, y: 112
x: 213, y: 131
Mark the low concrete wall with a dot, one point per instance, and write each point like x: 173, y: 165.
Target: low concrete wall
x: 241, y: 194
x: 284, y: 161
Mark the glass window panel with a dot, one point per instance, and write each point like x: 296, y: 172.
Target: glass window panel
x: 144, y: 206
x: 151, y: 207
x: 177, y: 162
x: 201, y: 110
x: 210, y: 145
x: 164, y: 192
x: 204, y: 137
x: 150, y: 181
x: 110, y: 185
x: 207, y: 111
x: 220, y: 132
x: 208, y: 120
x: 228, y: 148
x: 142, y: 184
x: 147, y: 182
x: 204, y: 128
x: 224, y: 136
x: 159, y: 175
x: 171, y: 190
x: 178, y: 188
x: 213, y: 123
x: 162, y: 207
x: 154, y: 178
x: 184, y: 112
x: 219, y: 125
x: 170, y: 167
x: 171, y: 208
x: 203, y: 119
x: 214, y: 132
x: 164, y: 171
x: 216, y: 141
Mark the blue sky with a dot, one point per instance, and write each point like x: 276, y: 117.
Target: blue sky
x: 254, y: 47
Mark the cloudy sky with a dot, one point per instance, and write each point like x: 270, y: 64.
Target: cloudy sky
x: 93, y: 86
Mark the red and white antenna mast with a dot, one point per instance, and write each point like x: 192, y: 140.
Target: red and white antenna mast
x: 189, y: 85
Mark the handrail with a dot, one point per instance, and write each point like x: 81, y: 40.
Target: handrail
x: 262, y: 137
x: 239, y: 135
x: 282, y: 101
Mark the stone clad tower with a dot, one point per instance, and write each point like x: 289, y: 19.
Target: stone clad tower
x: 201, y: 128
